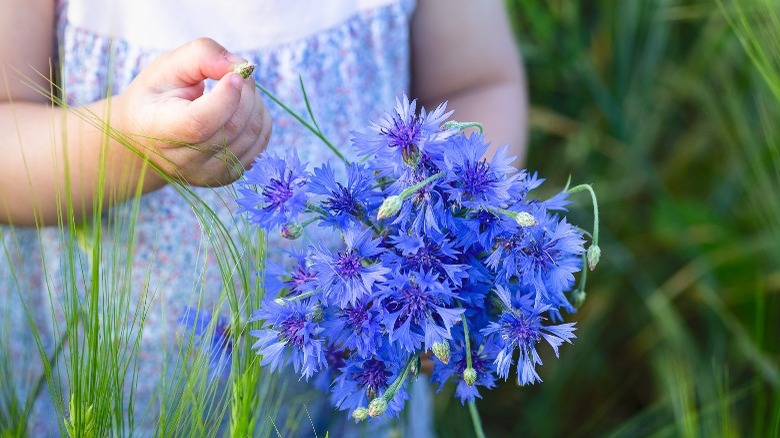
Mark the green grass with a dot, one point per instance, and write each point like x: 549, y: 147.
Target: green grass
x: 670, y: 113
x: 88, y: 331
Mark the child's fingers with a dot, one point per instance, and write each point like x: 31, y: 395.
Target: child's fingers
x: 261, y: 127
x: 191, y: 64
x: 206, y: 115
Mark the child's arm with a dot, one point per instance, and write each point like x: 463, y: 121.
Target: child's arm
x: 165, y: 101
x: 463, y: 51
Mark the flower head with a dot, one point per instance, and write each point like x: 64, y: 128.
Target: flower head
x: 343, y: 205
x: 351, y: 272
x: 401, y: 137
x: 272, y: 191
x: 521, y: 328
x: 481, y: 366
x: 289, y: 335
x: 418, y: 310
x: 365, y: 379
x: 543, y: 257
x: 472, y: 181
x: 355, y: 327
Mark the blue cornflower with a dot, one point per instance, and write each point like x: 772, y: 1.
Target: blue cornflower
x: 354, y: 327
x: 343, y: 205
x: 418, y: 309
x: 363, y: 379
x: 480, y: 228
x: 543, y: 257
x: 289, y: 334
x: 521, y: 328
x: 350, y: 273
x: 401, y: 137
x: 427, y: 211
x: 423, y: 254
x: 479, y: 361
x: 472, y: 181
x: 281, y: 196
x: 290, y: 279
x: 220, y: 347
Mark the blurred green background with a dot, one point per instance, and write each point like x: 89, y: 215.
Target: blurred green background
x: 660, y: 106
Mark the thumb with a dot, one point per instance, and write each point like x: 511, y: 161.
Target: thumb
x: 191, y: 64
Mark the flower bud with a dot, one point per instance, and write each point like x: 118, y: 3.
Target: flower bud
x: 442, y: 351
x: 245, y: 70
x: 525, y: 219
x: 470, y: 376
x: 360, y: 414
x: 291, y: 231
x: 578, y: 299
x: 416, y: 367
x: 377, y: 407
x: 594, y: 254
x: 390, y: 207
x: 411, y: 155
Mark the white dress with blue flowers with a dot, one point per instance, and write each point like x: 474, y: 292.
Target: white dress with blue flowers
x: 353, y: 57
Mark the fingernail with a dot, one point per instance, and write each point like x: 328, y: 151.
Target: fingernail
x: 233, y: 58
x: 236, y: 80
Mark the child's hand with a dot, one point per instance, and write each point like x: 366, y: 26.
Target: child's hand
x: 200, y: 139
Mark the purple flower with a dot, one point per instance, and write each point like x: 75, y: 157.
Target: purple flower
x: 291, y: 280
x: 343, y: 205
x: 543, y: 257
x: 427, y: 210
x: 480, y: 229
x: 363, y: 379
x: 422, y: 254
x: 479, y: 361
x: 351, y: 273
x: 289, y: 335
x: 418, y: 310
x: 354, y: 327
x: 219, y: 347
x: 272, y: 191
x: 520, y: 328
x: 401, y: 137
x: 471, y: 180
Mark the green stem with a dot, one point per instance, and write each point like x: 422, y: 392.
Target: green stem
x: 390, y: 393
x: 476, y: 420
x: 412, y: 189
x: 467, y: 340
x: 460, y: 126
x: 302, y: 296
x: 587, y: 187
x: 300, y: 119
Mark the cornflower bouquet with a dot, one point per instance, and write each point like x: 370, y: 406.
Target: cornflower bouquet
x: 442, y: 254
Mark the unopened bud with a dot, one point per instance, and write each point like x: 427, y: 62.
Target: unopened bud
x: 245, y: 70
x: 377, y: 407
x: 578, y: 298
x: 291, y: 231
x: 415, y: 367
x: 411, y: 155
x: 594, y: 254
x: 525, y: 219
x: 470, y: 376
x: 390, y: 207
x: 360, y: 414
x: 442, y: 351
